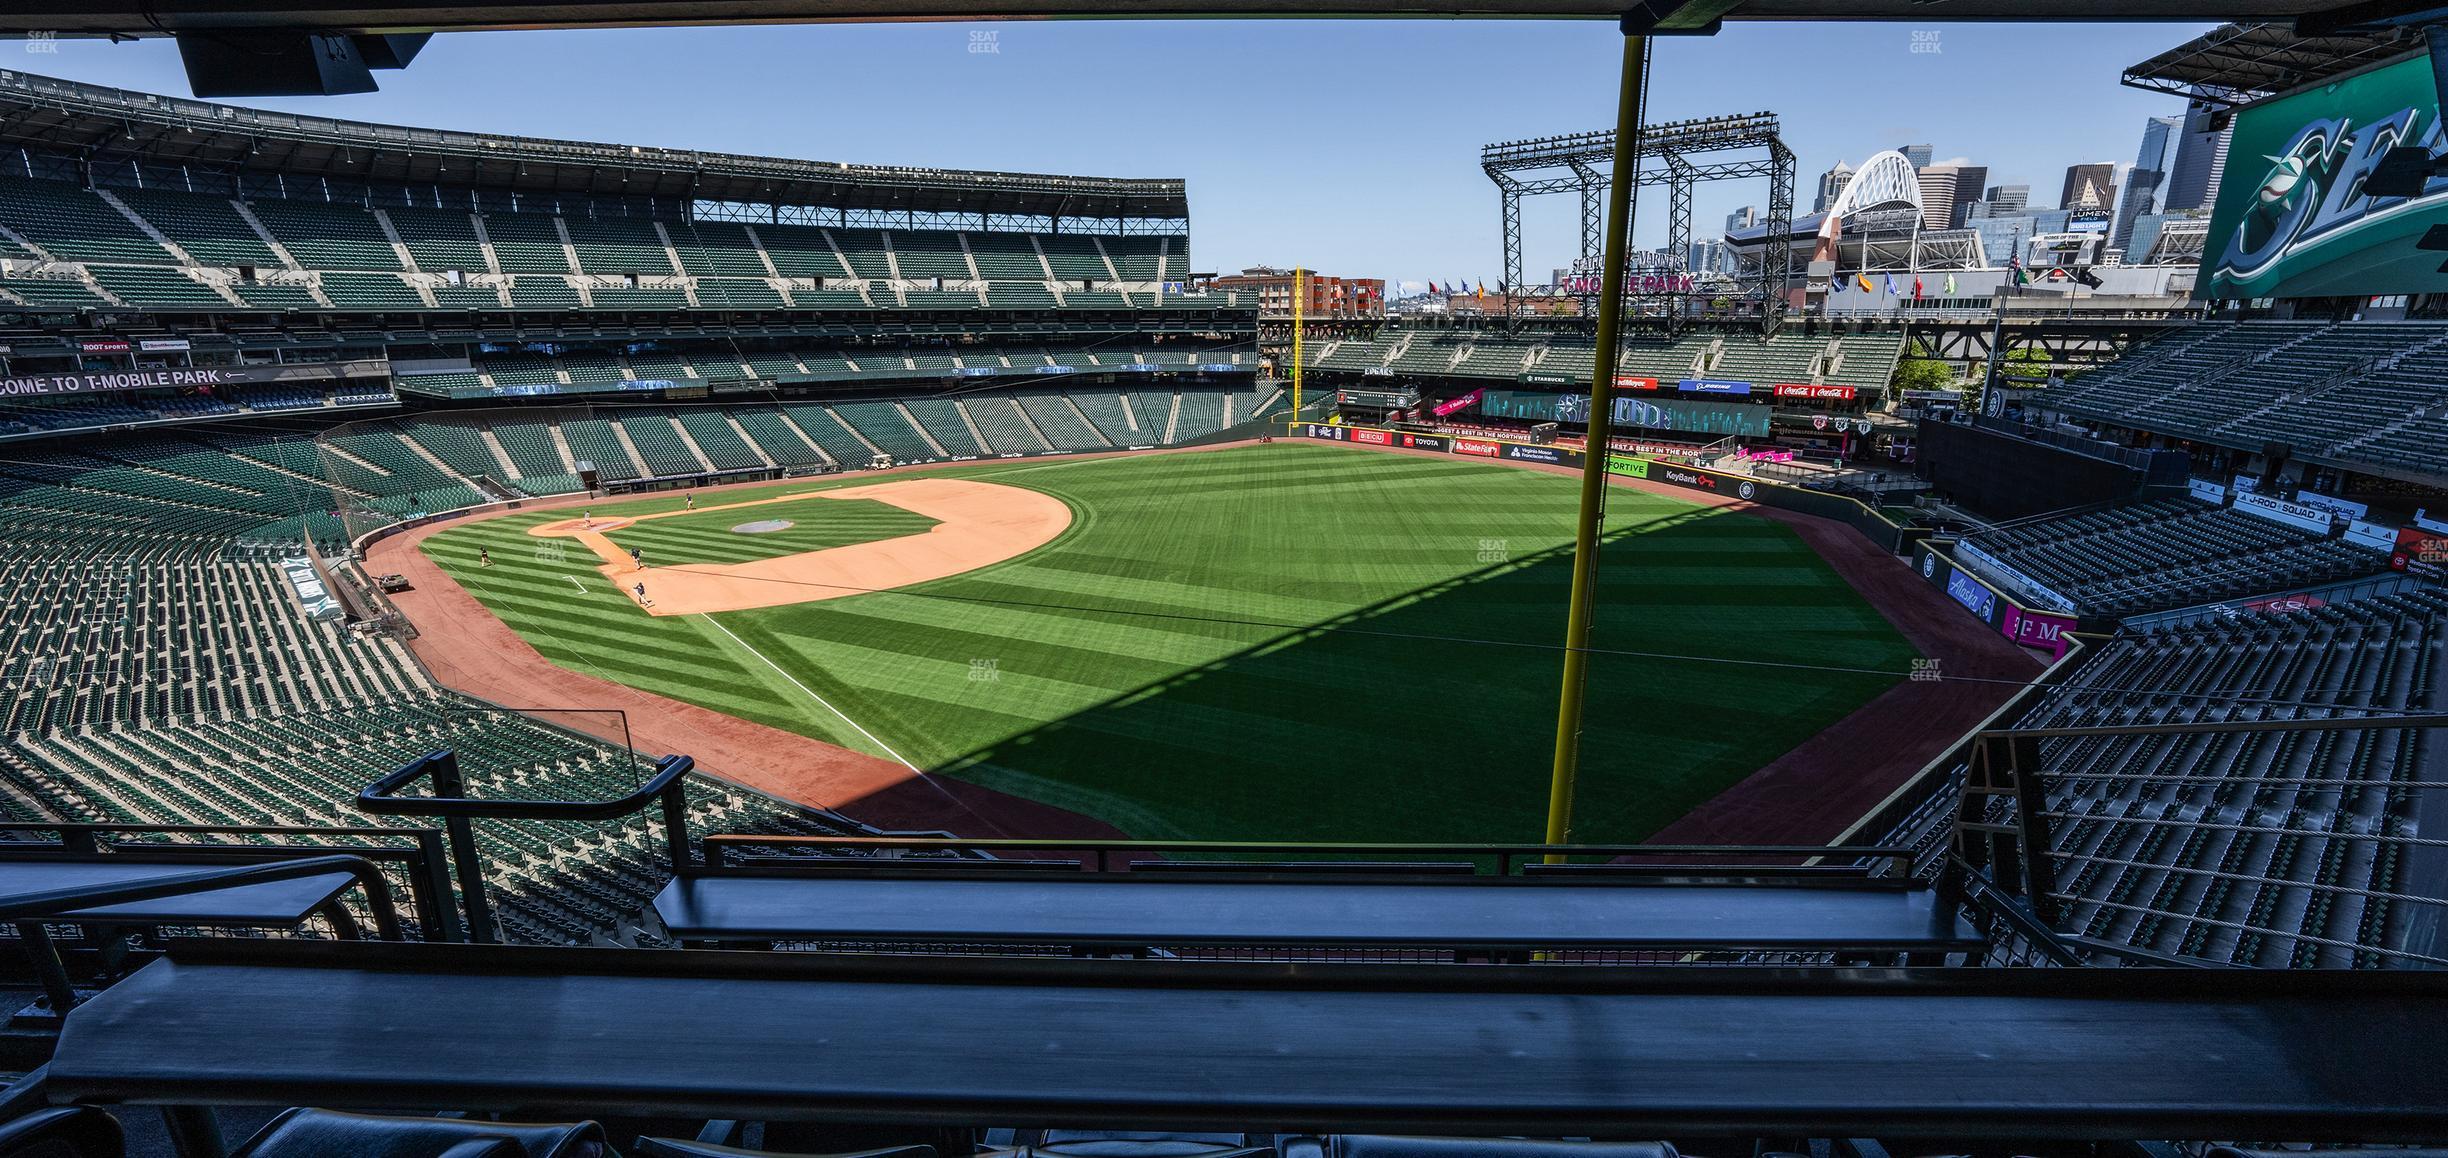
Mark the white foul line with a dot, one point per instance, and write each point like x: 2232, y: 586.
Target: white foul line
x: 811, y: 694
x: 575, y: 583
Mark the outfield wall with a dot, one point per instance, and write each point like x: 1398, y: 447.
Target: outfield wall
x: 2041, y: 628
x: 1851, y: 512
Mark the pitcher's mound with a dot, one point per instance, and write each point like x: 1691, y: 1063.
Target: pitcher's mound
x: 763, y: 527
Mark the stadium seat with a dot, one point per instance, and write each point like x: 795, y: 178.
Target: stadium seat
x: 310, y: 1133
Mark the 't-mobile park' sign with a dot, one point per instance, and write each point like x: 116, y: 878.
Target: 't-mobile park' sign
x: 190, y: 378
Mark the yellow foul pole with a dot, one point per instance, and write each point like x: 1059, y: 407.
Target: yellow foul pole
x: 1300, y: 279
x: 1628, y: 113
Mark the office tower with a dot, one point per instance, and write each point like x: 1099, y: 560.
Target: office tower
x: 1832, y: 185
x: 2099, y: 177
x: 1947, y: 193
x: 2147, y: 183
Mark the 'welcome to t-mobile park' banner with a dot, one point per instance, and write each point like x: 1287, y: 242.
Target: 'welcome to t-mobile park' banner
x: 184, y: 378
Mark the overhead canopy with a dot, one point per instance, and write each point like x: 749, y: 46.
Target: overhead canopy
x: 50, y: 115
x: 2239, y: 63
x: 154, y: 17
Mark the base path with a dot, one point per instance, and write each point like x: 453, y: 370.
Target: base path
x: 976, y: 524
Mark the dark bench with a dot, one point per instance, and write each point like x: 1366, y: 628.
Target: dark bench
x: 132, y: 889
x: 1156, y: 1045
x: 1129, y: 911
x: 279, y: 904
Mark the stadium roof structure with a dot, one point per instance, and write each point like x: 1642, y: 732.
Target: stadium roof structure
x: 102, y: 124
x: 157, y: 17
x: 2237, y: 64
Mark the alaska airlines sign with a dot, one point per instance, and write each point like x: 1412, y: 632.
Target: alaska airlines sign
x: 2305, y: 228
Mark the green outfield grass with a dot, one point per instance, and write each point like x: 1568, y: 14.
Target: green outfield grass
x: 1292, y: 641
x: 816, y: 524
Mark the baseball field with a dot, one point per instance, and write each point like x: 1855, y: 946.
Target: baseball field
x: 1286, y: 641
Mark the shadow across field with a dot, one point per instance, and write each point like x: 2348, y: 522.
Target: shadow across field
x: 1430, y: 716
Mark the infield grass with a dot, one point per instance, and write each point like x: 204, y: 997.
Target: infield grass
x: 816, y: 524
x: 1291, y: 641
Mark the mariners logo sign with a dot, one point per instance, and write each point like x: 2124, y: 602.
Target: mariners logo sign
x: 2292, y: 218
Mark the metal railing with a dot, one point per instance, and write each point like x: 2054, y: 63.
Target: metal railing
x: 458, y: 811
x: 412, y: 861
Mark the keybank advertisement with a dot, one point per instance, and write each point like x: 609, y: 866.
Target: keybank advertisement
x: 2292, y: 220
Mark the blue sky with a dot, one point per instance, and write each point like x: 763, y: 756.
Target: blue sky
x: 1345, y: 146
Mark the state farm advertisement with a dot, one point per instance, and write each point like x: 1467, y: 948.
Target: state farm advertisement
x: 1478, y: 446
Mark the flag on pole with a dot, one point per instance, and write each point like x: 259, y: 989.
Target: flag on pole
x: 1864, y: 280
x: 1950, y: 285
x: 1888, y: 279
x: 1916, y: 288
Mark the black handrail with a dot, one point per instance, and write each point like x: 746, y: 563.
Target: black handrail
x: 668, y: 785
x: 57, y: 903
x: 429, y: 883
x: 378, y: 797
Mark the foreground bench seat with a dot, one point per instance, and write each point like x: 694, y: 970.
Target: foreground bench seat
x: 1118, y: 911
x: 1548, y: 1050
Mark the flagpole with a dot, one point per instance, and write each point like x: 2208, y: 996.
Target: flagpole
x: 1628, y: 112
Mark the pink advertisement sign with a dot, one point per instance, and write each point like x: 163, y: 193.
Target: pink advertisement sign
x: 1453, y: 404
x: 2037, y: 629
